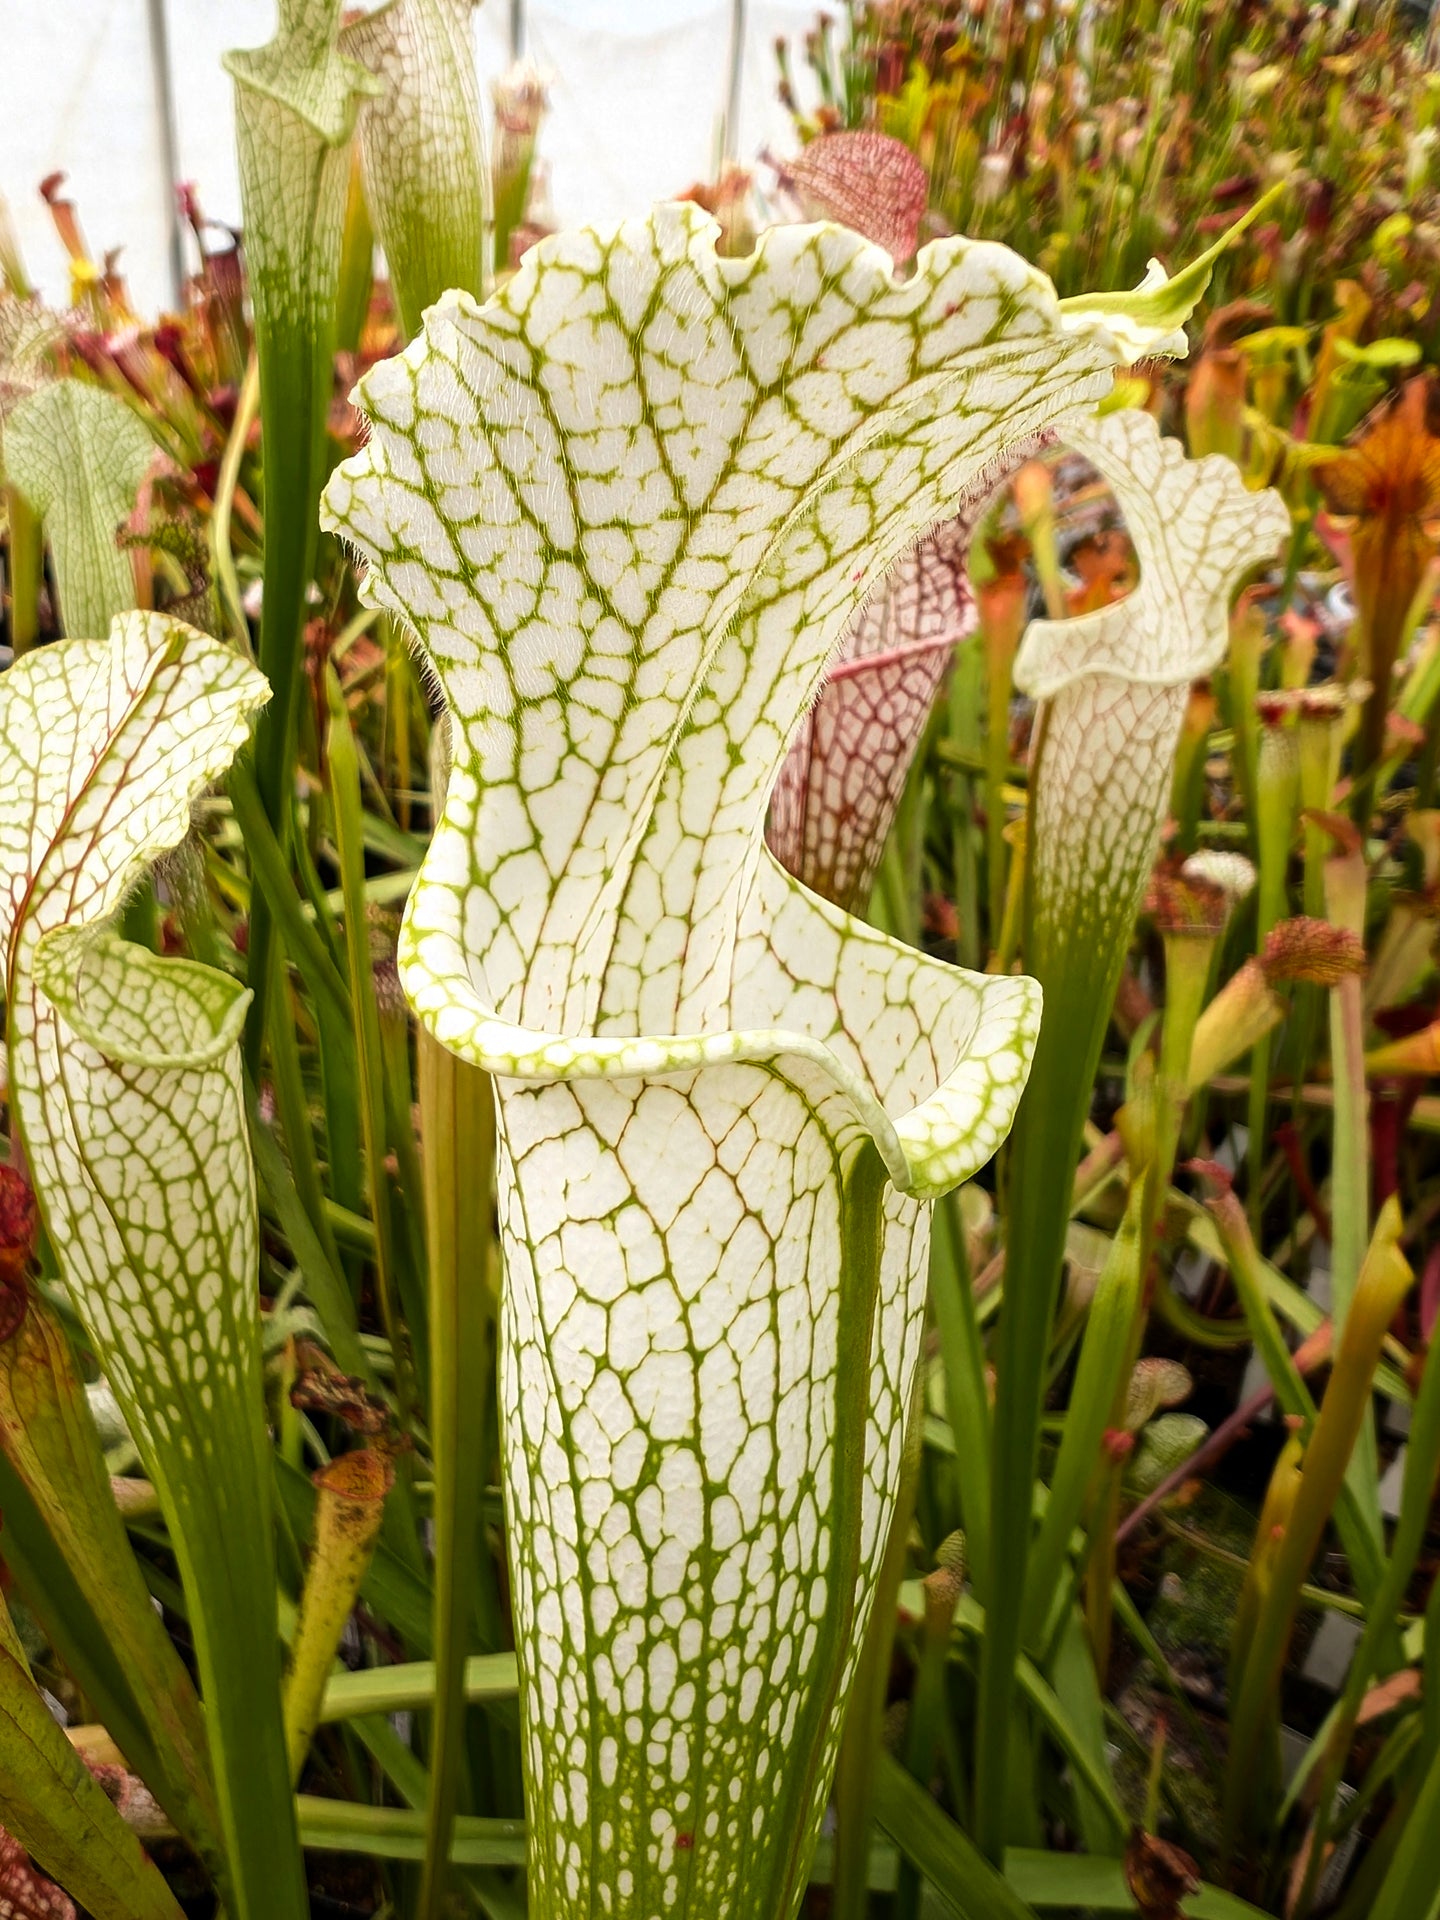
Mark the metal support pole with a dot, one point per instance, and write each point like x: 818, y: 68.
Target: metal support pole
x: 730, y: 126
x: 169, y: 141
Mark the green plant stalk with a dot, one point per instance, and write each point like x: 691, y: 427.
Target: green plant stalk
x: 357, y: 261
x: 1344, y: 878
x: 400, y: 693
x: 1098, y: 1378
x: 1320, y: 738
x: 1345, y: 888
x: 862, y: 1740
x: 859, y: 1291
x: 1149, y: 1124
x: 1247, y: 644
x: 222, y: 552
x: 237, y: 1655
x: 60, y: 1813
x: 1320, y: 742
x: 1046, y: 1140
x: 1421, y: 1460
x: 1430, y: 1672
x: 1187, y: 788
x: 49, y: 1439
x: 398, y: 1833
x: 964, y: 706
x: 1384, y: 1281
x: 1080, y: 989
x: 1002, y: 616
x: 1277, y: 1512
x: 396, y: 1283
x: 1277, y: 786
x: 1411, y: 1886
x: 1358, y: 1526
x: 1075, y: 1675
x: 962, y: 1365
x: 929, y: 1707
x: 25, y: 549
x: 349, y: 1508
x: 457, y: 1123
x: 1398, y: 1767
x: 295, y: 107
x: 272, y: 883
x: 1189, y: 958
x: 1004, y: 949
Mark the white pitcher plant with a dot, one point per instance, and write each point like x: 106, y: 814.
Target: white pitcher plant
x: 628, y: 508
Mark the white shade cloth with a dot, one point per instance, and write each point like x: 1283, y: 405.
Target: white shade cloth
x: 637, y: 89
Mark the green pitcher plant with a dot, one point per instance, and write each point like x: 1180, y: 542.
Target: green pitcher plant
x: 124, y: 1079
x: 628, y: 508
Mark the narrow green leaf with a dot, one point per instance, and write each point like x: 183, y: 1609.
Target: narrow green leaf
x: 323, y: 1281
x: 863, y: 1739
x: 1071, y: 1739
x: 484, y: 1677
x: 964, y: 1879
x: 398, y: 1833
x: 267, y: 858
x: 222, y: 556
x: 402, y: 1302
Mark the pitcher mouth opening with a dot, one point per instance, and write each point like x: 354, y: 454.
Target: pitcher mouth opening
x: 930, y: 1137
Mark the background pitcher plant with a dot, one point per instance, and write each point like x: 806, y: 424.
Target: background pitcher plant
x: 1114, y: 686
